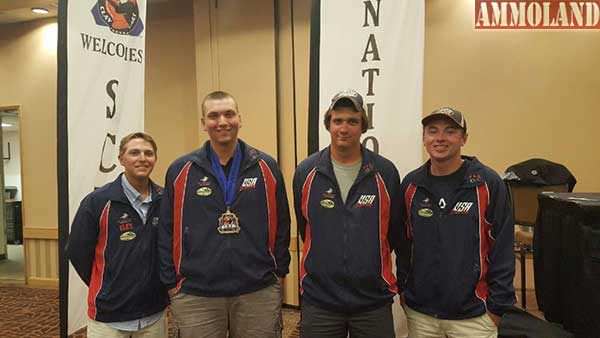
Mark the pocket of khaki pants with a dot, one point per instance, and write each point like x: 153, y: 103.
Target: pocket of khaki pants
x: 489, y: 322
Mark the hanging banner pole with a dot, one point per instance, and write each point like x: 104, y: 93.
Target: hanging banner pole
x: 62, y: 173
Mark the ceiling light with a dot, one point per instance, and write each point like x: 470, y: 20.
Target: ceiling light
x: 39, y: 10
x: 4, y: 125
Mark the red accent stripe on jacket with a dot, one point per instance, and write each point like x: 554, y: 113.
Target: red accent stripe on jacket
x: 485, y: 242
x: 384, y: 245
x: 99, y: 262
x: 408, y: 201
x: 307, y: 232
x: 271, y: 192
x: 179, y: 187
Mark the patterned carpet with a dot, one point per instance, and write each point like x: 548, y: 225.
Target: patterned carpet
x: 29, y: 312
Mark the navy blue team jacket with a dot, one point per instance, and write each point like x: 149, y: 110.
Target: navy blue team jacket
x: 115, y: 254
x: 194, y: 257
x: 346, y: 265
x: 462, y: 255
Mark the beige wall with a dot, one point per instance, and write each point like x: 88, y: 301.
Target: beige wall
x: 525, y: 94
x: 171, y: 114
x: 28, y: 73
x: 28, y: 65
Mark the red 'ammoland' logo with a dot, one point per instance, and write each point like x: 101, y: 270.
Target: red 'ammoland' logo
x: 537, y: 14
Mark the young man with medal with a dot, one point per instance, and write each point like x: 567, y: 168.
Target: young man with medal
x: 347, y: 201
x: 112, y: 246
x: 224, y: 239
x: 459, y: 222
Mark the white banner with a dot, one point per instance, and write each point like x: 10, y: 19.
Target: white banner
x: 375, y: 47
x: 105, y: 51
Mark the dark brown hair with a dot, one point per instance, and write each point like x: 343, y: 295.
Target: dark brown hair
x: 347, y: 103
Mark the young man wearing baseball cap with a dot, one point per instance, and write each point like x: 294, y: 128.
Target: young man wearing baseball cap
x: 347, y: 205
x: 459, y: 222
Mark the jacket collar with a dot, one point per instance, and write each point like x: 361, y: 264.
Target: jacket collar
x: 325, y: 166
x: 116, y: 194
x: 472, y: 176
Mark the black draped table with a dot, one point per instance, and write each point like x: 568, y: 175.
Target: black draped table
x: 567, y: 260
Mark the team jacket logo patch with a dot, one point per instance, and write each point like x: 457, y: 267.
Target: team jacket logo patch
x: 329, y: 194
x: 442, y: 203
x: 327, y: 203
x: 125, y: 223
x: 155, y: 221
x: 248, y: 183
x: 127, y: 236
x: 461, y: 208
x: 365, y: 201
x: 425, y: 212
x: 475, y: 178
x: 204, y: 191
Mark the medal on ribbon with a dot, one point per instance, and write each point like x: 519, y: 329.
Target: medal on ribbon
x: 228, y: 223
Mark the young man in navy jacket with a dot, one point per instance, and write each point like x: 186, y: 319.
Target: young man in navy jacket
x: 459, y: 222
x: 347, y: 203
x: 112, y: 246
x: 224, y: 234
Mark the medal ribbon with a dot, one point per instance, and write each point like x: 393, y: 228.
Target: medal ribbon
x: 227, y: 184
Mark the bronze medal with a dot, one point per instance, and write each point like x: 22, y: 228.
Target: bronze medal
x: 228, y: 223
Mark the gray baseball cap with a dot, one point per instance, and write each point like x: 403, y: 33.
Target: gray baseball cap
x: 351, y: 95
x: 451, y: 113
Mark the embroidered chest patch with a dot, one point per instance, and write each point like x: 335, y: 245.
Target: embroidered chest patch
x: 365, y: 201
x: 461, y: 208
x: 248, y: 183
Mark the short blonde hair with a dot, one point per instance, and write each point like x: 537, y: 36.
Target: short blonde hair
x: 132, y: 136
x: 217, y: 95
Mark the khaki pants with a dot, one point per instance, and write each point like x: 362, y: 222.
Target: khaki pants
x: 97, y: 329
x: 252, y: 315
x: 423, y: 326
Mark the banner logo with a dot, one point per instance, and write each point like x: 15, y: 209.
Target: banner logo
x: 537, y: 14
x: 121, y: 16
